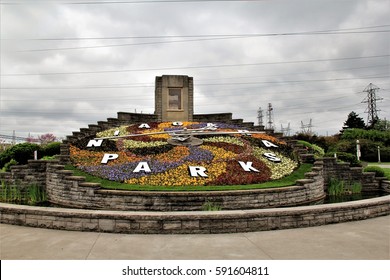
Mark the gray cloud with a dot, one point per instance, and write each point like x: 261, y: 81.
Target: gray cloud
x: 260, y: 72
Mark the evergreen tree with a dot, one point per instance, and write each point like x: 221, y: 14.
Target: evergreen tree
x: 353, y: 121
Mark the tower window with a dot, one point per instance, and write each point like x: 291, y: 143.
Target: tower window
x: 174, y: 99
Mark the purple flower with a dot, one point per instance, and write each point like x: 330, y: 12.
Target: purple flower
x: 199, y: 155
x: 123, y: 172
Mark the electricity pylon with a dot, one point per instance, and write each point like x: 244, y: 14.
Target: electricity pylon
x: 371, y: 100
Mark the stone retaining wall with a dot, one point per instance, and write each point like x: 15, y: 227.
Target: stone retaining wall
x: 73, y: 191
x: 64, y: 189
x: 343, y: 171
x: 193, y: 222
x: 385, y: 186
x: 78, y: 194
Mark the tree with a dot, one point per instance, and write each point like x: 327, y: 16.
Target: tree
x: 46, y: 138
x: 353, y: 121
x: 382, y: 125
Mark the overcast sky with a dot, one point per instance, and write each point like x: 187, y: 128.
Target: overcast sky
x: 69, y: 63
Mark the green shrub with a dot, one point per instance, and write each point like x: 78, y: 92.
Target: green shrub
x: 20, y: 152
x: 337, y: 187
x: 51, y: 149
x: 346, y: 157
x: 48, y: 158
x: 379, y: 172
x: 10, y: 193
x: 36, y: 195
x: 210, y: 206
x: 373, y: 135
x: 368, y: 148
x: 317, y: 150
x: 356, y: 187
x: 25, y: 151
x: 322, y: 141
x: 346, y: 146
x: 7, y: 166
x: 32, y: 195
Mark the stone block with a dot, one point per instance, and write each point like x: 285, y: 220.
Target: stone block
x: 190, y: 224
x: 74, y: 226
x: 171, y: 225
x: 210, y: 224
x: 235, y: 224
x: 273, y: 223
x: 90, y: 226
x: 31, y: 222
x: 45, y: 223
x: 122, y: 226
x: 150, y: 225
x: 303, y: 223
x: 106, y: 225
x: 59, y: 225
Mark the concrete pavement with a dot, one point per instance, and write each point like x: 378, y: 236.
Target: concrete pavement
x: 360, y: 240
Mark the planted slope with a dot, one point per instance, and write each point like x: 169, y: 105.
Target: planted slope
x: 219, y: 160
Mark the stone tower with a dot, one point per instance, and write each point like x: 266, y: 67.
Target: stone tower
x: 174, y: 98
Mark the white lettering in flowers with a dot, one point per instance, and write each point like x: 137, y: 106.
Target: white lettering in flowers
x: 142, y: 166
x: 95, y: 143
x: 108, y: 157
x: 272, y: 157
x: 268, y: 144
x: 144, y: 125
x: 196, y: 171
x: 248, y: 166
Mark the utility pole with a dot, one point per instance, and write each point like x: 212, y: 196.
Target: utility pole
x: 270, y: 117
x: 371, y: 99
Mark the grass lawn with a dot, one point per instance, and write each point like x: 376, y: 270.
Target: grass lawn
x: 384, y: 165
x: 286, y: 181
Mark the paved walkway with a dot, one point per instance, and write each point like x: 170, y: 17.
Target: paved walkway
x: 368, y: 239
x: 380, y: 165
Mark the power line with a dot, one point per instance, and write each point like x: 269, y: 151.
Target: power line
x: 199, y: 40
x: 111, y: 97
x: 212, y: 36
x: 300, y: 73
x: 125, y: 2
x: 209, y: 84
x: 197, y: 67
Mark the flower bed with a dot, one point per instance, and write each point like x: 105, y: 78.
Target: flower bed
x: 147, y: 159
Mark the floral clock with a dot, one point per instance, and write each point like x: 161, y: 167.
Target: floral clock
x: 184, y: 154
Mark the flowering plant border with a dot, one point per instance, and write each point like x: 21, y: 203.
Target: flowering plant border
x: 229, y: 160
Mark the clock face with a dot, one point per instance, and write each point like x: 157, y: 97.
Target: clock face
x: 183, y: 154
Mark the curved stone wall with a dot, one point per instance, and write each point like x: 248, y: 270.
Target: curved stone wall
x: 90, y: 196
x: 72, y: 191
x: 193, y: 222
x: 64, y: 189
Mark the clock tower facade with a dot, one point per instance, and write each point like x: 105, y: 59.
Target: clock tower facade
x: 174, y: 98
